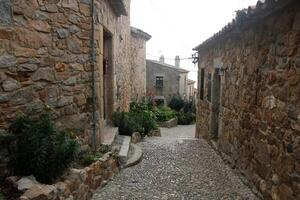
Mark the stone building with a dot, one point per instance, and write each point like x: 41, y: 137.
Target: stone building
x: 165, y: 81
x: 191, y: 90
x: 138, y: 63
x: 249, y: 96
x: 56, y: 54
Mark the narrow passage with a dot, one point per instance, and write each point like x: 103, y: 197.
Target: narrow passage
x: 176, y: 166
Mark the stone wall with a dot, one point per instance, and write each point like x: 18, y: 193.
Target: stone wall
x: 77, y: 184
x: 45, y: 62
x: 123, y: 63
x: 138, y: 64
x: 259, y: 120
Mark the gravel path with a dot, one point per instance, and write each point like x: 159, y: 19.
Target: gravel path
x: 176, y: 168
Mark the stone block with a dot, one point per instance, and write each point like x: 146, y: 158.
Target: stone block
x: 71, y: 4
x: 26, y: 183
x: 62, y: 33
x: 27, y: 68
x: 136, y: 137
x: 11, y: 85
x: 5, y: 12
x: 7, y: 61
x: 45, y: 74
x: 40, y: 192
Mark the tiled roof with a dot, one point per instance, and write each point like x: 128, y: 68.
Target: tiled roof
x: 139, y: 32
x: 262, y: 9
x: 169, y: 66
x: 118, y: 7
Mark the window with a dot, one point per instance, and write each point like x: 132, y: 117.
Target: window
x: 159, y: 82
x: 202, y: 84
x: 209, y: 88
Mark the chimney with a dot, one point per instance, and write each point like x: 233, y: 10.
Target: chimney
x: 177, y: 62
x: 162, y: 59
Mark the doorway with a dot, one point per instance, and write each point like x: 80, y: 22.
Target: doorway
x: 216, y: 92
x: 107, y: 77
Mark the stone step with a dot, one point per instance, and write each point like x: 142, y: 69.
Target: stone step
x: 135, y: 156
x: 109, y: 135
x: 124, y: 150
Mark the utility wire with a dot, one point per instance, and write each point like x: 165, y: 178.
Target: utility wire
x: 189, y: 58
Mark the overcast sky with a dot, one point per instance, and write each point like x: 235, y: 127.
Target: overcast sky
x: 177, y: 26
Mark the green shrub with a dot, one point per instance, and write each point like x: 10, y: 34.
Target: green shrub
x: 185, y: 118
x: 189, y: 107
x: 140, y: 118
x: 139, y: 107
x: 90, y: 158
x: 176, y: 103
x: 1, y: 196
x: 127, y: 123
x: 40, y: 149
x: 164, y: 114
x: 148, y: 121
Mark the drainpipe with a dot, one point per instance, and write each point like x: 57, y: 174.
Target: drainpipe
x: 94, y: 125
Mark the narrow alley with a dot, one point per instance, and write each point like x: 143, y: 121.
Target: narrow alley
x: 176, y: 166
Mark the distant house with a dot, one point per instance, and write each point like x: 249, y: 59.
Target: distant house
x: 165, y: 81
x: 191, y: 90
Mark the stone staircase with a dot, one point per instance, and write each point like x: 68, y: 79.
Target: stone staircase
x: 129, y: 154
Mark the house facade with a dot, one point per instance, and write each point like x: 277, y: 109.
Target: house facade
x: 164, y: 80
x: 69, y: 56
x: 248, y: 102
x: 138, y: 63
x: 191, y: 90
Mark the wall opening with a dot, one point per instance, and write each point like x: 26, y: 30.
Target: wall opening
x: 216, y: 92
x: 108, y: 72
x: 202, y: 84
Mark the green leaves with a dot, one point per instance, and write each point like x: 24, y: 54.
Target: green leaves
x: 140, y: 118
x: 40, y: 149
x: 1, y: 196
x: 164, y: 114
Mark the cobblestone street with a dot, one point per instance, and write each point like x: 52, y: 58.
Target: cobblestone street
x: 176, y: 167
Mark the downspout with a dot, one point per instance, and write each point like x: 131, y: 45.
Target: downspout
x: 94, y: 125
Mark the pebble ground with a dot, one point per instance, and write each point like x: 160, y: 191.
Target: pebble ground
x: 176, y: 167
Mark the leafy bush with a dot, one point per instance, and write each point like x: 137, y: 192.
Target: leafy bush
x: 144, y: 105
x: 164, y: 114
x: 185, y: 118
x: 189, y: 107
x: 140, y: 118
x: 88, y: 157
x: 1, y: 196
x: 128, y: 123
x: 176, y: 103
x: 148, y: 121
x: 40, y: 149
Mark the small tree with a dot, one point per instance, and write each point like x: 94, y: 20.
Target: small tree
x: 40, y: 149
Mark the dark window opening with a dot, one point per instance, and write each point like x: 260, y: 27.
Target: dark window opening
x: 159, y: 82
x: 209, y: 88
x: 202, y: 84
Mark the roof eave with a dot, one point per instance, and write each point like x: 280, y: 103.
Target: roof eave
x: 118, y: 7
x: 140, y: 33
x: 247, y: 16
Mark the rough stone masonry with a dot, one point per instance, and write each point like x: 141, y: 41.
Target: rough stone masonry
x: 45, y: 61
x: 249, y: 96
